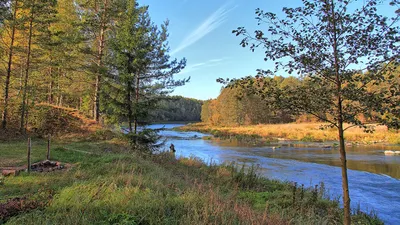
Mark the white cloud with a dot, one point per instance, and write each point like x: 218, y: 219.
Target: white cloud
x: 217, y: 60
x: 208, y: 25
x: 209, y: 63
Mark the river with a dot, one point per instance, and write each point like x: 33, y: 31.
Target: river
x: 374, y: 179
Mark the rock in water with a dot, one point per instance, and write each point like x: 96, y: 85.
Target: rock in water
x: 389, y: 152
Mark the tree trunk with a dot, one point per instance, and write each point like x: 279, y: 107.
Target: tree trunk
x: 130, y: 125
x: 28, y: 57
x: 61, y: 98
x: 58, y: 92
x: 51, y: 85
x: 96, y: 110
x: 137, y: 102
x: 7, y: 82
x: 101, y: 45
x: 129, y: 105
x: 21, y: 77
x: 26, y: 114
x: 345, y: 181
x: 51, y: 96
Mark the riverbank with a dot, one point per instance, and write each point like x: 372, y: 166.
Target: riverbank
x: 107, y: 183
x: 307, y: 132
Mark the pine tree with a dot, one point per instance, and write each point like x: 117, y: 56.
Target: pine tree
x: 99, y: 16
x: 40, y: 13
x: 61, y: 67
x: 154, y: 79
x: 13, y: 24
x: 141, y: 70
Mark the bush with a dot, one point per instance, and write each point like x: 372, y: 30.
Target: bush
x: 146, y: 141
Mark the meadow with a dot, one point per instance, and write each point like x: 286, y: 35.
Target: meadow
x: 110, y: 184
x: 307, y: 132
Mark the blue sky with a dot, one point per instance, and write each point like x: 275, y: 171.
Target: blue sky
x: 201, y: 31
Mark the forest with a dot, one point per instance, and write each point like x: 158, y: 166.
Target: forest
x: 104, y: 58
x: 177, y: 109
x: 254, y: 101
x: 236, y: 106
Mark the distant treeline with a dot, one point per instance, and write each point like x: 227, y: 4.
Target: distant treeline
x: 238, y: 106
x: 235, y: 107
x: 177, y: 108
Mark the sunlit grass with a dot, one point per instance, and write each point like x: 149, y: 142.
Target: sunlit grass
x: 113, y: 187
x: 308, y: 132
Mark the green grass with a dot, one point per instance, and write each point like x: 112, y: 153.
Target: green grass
x: 14, y: 153
x: 113, y: 186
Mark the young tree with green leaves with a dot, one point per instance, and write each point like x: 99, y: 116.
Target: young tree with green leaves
x: 343, y: 48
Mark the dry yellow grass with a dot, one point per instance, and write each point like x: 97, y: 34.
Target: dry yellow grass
x: 302, y: 131
x: 194, y: 162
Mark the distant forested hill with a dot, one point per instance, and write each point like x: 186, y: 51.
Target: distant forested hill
x: 177, y: 108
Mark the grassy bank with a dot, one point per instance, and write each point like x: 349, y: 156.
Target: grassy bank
x: 308, y: 132
x: 109, y: 185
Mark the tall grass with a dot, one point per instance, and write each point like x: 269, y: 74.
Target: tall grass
x: 119, y: 188
x: 308, y: 132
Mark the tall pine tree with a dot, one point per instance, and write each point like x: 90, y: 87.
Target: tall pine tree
x: 13, y: 26
x: 98, y: 17
x: 40, y: 14
x: 141, y: 72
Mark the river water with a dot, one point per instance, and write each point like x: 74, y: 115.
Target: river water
x: 374, y: 179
